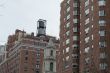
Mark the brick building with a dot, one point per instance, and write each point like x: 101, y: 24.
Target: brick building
x: 25, y: 52
x: 69, y: 37
x: 91, y: 53
x: 95, y: 36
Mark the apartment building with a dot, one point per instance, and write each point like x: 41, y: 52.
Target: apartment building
x: 89, y: 20
x: 69, y: 37
x: 94, y: 36
x: 25, y: 52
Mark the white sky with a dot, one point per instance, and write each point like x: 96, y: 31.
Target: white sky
x: 23, y: 14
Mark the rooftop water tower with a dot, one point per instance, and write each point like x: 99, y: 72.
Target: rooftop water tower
x: 41, y: 27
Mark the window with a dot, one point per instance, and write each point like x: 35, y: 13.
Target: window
x: 92, y: 25
x: 75, y: 65
x: 67, y: 33
x: 67, y: 25
x: 87, y: 12
x: 68, y: 1
x: 67, y: 58
x: 87, y: 50
x: 26, y: 58
x: 102, y: 44
x: 68, y: 9
x: 38, y: 54
x: 102, y: 33
x: 63, y: 51
x: 75, y: 12
x: 103, y: 66
x: 75, y: 29
x: 66, y: 62
x: 102, y: 55
x: 67, y: 49
x: 102, y: 22
x: 37, y: 66
x: 87, y: 21
x: 75, y: 20
x: 92, y: 8
x: 67, y: 41
x: 68, y: 17
x: 102, y: 13
x: 87, y: 30
x: 86, y: 3
x: 101, y: 2
x: 51, y: 53
x: 92, y: 37
x: 51, y: 66
x: 86, y: 39
x: 75, y: 4
x: 75, y: 38
x: 87, y: 60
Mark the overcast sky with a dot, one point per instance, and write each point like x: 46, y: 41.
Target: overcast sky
x: 23, y: 15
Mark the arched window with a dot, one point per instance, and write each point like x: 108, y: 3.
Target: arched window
x: 51, y: 66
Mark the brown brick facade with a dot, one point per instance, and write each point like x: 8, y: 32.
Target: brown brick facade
x: 69, y: 37
x: 94, y: 36
x: 25, y: 53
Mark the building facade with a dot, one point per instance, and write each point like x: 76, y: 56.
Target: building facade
x: 2, y: 53
x: 25, y: 52
x: 95, y: 36
x: 91, y: 17
x: 69, y: 37
x: 50, y: 58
